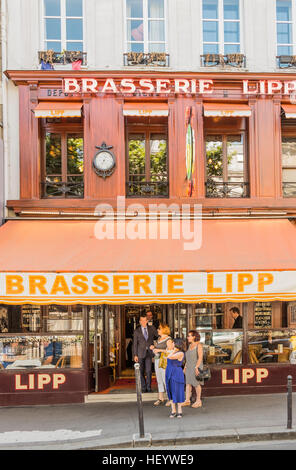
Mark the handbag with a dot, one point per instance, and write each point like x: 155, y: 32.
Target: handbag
x: 163, y: 360
x: 204, y: 374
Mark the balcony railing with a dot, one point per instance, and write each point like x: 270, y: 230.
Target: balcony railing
x: 231, y: 190
x: 212, y: 60
x: 289, y: 189
x: 157, y: 59
x: 147, y: 189
x: 286, y: 61
x: 62, y: 58
x: 62, y: 189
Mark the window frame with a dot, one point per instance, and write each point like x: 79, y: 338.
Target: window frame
x: 63, y: 17
x: 145, y: 129
x: 292, y: 22
x: 220, y: 20
x: 63, y: 129
x: 146, y: 19
x: 224, y: 133
x: 287, y: 133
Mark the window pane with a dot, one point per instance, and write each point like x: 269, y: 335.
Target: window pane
x: 231, y: 9
x: 235, y: 158
x: 284, y: 50
x: 34, y: 352
x: 53, y: 28
x: 283, y: 10
x: 53, y: 154
x: 59, y: 318
x: 289, y: 151
x: 222, y: 347
x: 55, y: 46
x: 156, y: 31
x: 158, y: 157
x: 214, y: 154
x: 74, y: 8
x: 135, y: 30
x: 134, y: 8
x: 270, y: 346
x: 135, y: 47
x: 52, y: 7
x: 74, y: 46
x: 284, y: 33
x: 210, y: 31
x: 231, y: 32
x: 211, y: 49
x: 289, y: 175
x: 74, y: 30
x: 210, y: 9
x: 137, y: 158
x: 231, y: 48
x: 156, y: 8
x: 74, y: 154
x: 155, y: 47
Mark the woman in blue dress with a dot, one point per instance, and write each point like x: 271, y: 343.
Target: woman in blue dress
x: 174, y: 376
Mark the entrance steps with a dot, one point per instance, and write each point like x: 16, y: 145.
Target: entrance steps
x: 121, y: 397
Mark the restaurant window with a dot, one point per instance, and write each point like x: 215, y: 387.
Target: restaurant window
x: 34, y: 336
x: 226, y: 161
x: 289, y: 166
x: 62, y: 167
x: 145, y: 26
x: 147, y: 158
x: 221, y: 27
x: 221, y: 338
x: 63, y: 25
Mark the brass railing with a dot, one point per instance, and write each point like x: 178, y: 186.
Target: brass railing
x: 159, y: 59
x: 234, y: 60
x: 63, y: 58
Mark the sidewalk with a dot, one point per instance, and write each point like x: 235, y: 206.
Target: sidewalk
x: 106, y: 425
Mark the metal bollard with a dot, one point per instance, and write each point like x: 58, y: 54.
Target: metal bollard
x: 289, y: 402
x: 139, y: 399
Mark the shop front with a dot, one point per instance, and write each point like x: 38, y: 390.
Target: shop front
x: 70, y: 303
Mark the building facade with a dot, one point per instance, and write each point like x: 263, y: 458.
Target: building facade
x: 150, y: 164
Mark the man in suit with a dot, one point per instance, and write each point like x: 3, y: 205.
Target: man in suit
x: 238, y: 319
x: 144, y: 336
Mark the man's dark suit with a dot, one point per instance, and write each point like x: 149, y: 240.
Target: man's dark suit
x: 141, y: 348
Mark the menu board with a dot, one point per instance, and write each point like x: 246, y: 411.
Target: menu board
x: 31, y: 317
x: 263, y: 315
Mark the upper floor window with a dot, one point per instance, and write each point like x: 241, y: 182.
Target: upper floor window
x: 221, y: 27
x: 284, y: 27
x: 145, y: 26
x: 63, y: 25
x: 226, y: 158
x: 62, y: 165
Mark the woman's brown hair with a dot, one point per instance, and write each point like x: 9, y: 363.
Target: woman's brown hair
x: 164, y: 328
x: 195, y: 334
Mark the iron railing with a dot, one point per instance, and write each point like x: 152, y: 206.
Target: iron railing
x: 234, y: 60
x: 159, y: 59
x: 63, y: 58
x: 147, y: 189
x: 231, y: 190
x: 62, y: 189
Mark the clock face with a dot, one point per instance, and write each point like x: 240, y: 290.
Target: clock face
x: 104, y: 161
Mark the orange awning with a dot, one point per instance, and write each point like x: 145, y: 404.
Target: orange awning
x: 226, y: 110
x: 290, y: 110
x: 66, y: 262
x: 145, y: 109
x: 54, y: 109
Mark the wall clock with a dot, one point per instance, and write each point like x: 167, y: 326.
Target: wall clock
x: 104, y: 160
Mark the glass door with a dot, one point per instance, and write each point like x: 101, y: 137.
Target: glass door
x: 180, y: 320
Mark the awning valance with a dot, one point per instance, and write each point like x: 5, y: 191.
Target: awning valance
x: 226, y: 110
x: 289, y: 110
x: 54, y: 109
x: 117, y: 262
x: 145, y: 109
